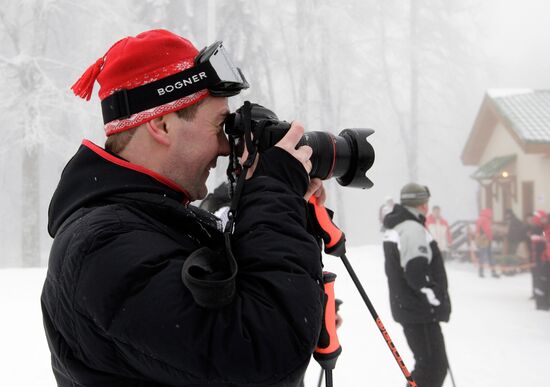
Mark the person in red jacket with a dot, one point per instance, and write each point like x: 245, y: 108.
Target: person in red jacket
x: 440, y: 230
x: 484, y: 239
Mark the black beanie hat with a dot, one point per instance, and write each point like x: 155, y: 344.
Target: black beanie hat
x: 414, y: 195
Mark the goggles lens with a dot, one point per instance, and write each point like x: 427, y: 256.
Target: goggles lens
x: 231, y: 79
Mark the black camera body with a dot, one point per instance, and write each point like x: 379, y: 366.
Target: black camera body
x: 347, y: 157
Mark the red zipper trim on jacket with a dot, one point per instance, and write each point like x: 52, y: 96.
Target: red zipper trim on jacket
x: 125, y: 164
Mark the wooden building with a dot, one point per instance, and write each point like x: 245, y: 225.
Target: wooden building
x: 510, y: 144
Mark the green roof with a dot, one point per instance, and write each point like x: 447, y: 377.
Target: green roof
x: 527, y: 111
x: 493, y: 167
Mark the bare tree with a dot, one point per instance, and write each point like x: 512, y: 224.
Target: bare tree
x: 30, y: 87
x: 417, y: 59
x: 37, y: 58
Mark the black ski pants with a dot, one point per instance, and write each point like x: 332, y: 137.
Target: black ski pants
x: 541, y: 285
x: 428, y: 346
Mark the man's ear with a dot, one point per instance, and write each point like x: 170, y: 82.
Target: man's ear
x: 157, y: 130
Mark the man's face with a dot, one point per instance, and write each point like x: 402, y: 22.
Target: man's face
x: 423, y: 208
x: 196, y: 145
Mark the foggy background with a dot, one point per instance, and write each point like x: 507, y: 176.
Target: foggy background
x: 414, y: 71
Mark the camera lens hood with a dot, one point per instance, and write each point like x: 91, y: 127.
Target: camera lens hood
x: 362, y: 158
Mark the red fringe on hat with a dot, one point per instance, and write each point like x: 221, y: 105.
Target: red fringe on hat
x: 84, y: 86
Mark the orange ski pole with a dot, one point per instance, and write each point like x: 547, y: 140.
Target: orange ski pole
x: 328, y: 347
x: 334, y: 240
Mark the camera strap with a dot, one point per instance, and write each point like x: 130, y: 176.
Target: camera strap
x: 251, y: 145
x: 217, y: 292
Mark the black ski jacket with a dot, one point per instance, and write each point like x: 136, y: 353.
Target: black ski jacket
x: 413, y: 262
x: 116, y: 311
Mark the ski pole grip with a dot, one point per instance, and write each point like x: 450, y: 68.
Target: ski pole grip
x: 328, y: 347
x: 333, y: 238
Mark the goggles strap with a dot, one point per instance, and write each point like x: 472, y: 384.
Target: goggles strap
x: 123, y: 103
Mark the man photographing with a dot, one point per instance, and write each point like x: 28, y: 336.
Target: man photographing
x: 418, y: 284
x: 122, y: 306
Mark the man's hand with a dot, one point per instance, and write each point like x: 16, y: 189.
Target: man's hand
x: 430, y: 295
x: 339, y: 320
x: 288, y: 143
x: 316, y: 188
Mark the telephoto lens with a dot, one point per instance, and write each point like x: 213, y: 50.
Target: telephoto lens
x: 346, y: 157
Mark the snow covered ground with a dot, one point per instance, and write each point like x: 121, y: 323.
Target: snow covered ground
x: 495, y: 336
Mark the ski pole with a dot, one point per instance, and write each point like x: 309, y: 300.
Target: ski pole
x: 338, y: 303
x: 320, y: 378
x: 328, y: 347
x: 451, y: 374
x: 334, y: 240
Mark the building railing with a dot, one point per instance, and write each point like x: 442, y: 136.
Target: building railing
x: 464, y: 249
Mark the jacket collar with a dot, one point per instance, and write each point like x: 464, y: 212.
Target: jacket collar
x: 93, y: 175
x: 400, y: 214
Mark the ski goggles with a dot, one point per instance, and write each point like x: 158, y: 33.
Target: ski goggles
x: 213, y: 70
x: 228, y: 80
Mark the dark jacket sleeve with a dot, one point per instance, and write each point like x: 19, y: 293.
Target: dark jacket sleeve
x: 417, y: 273
x: 264, y: 336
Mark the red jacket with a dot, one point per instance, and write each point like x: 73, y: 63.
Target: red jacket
x: 541, y: 221
x: 485, y: 223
